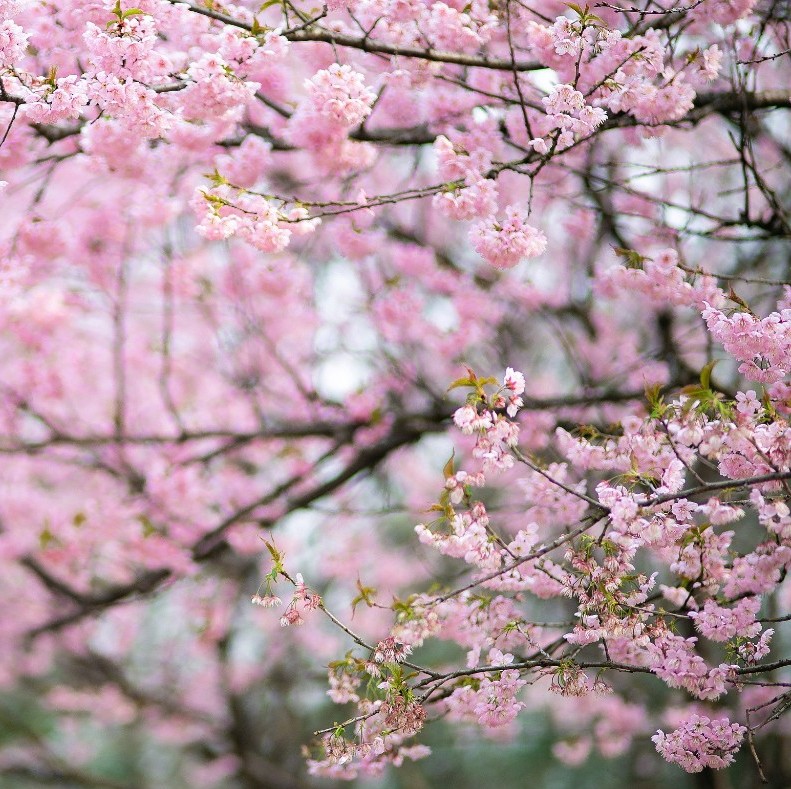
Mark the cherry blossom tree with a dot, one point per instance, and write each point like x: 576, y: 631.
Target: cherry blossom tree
x: 456, y: 336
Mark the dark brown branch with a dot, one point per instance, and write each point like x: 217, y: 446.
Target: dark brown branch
x: 726, y: 484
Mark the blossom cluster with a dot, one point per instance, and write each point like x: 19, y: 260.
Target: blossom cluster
x: 505, y: 242
x: 701, y: 742
x: 660, y: 280
x: 261, y: 220
x: 493, y: 703
x: 337, y: 99
x: 568, y: 113
x: 763, y: 346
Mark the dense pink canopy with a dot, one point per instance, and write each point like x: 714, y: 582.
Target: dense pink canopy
x: 266, y: 268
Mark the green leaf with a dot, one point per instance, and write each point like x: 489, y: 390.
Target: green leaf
x: 633, y: 258
x: 705, y: 375
x: 657, y: 407
x: 459, y: 382
x: 736, y: 298
x: 46, y: 538
x: 447, y: 470
x: 366, y: 595
x: 691, y: 57
x: 277, y: 557
x: 148, y: 527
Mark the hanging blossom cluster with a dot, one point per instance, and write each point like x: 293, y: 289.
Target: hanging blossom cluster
x: 762, y: 345
x: 701, y: 742
x: 674, y: 660
x: 337, y: 100
x: 469, y: 193
x: 339, y: 95
x: 505, y: 242
x: 719, y: 623
x: 493, y: 702
x: 570, y: 115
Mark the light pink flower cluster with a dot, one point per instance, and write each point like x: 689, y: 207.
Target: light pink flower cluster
x: 390, y: 650
x: 701, y: 742
x: 707, y: 64
x: 214, y: 89
x: 248, y: 54
x: 513, y: 389
x: 495, y: 433
x: 469, y: 538
x: 469, y: 193
x: 493, y: 703
x: 624, y: 74
x: 718, y: 623
x: 13, y: 42
x: 758, y: 571
x: 346, y: 760
x: 655, y: 105
x: 725, y: 12
x: 304, y: 599
x: 343, y: 687
x: 447, y: 28
x: 337, y: 100
x: 753, y: 651
x: 380, y: 743
x: 126, y: 50
x: 504, y: 243
x: 570, y: 115
x: 339, y: 95
x: 661, y: 281
x: 775, y: 515
x: 674, y: 660
x: 477, y: 198
x: 549, y: 503
x: 132, y: 102
x: 456, y: 163
x: 266, y: 601
x: 226, y: 211
x: 457, y: 483
x: 494, y: 445
x: 763, y: 345
x: 62, y: 100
